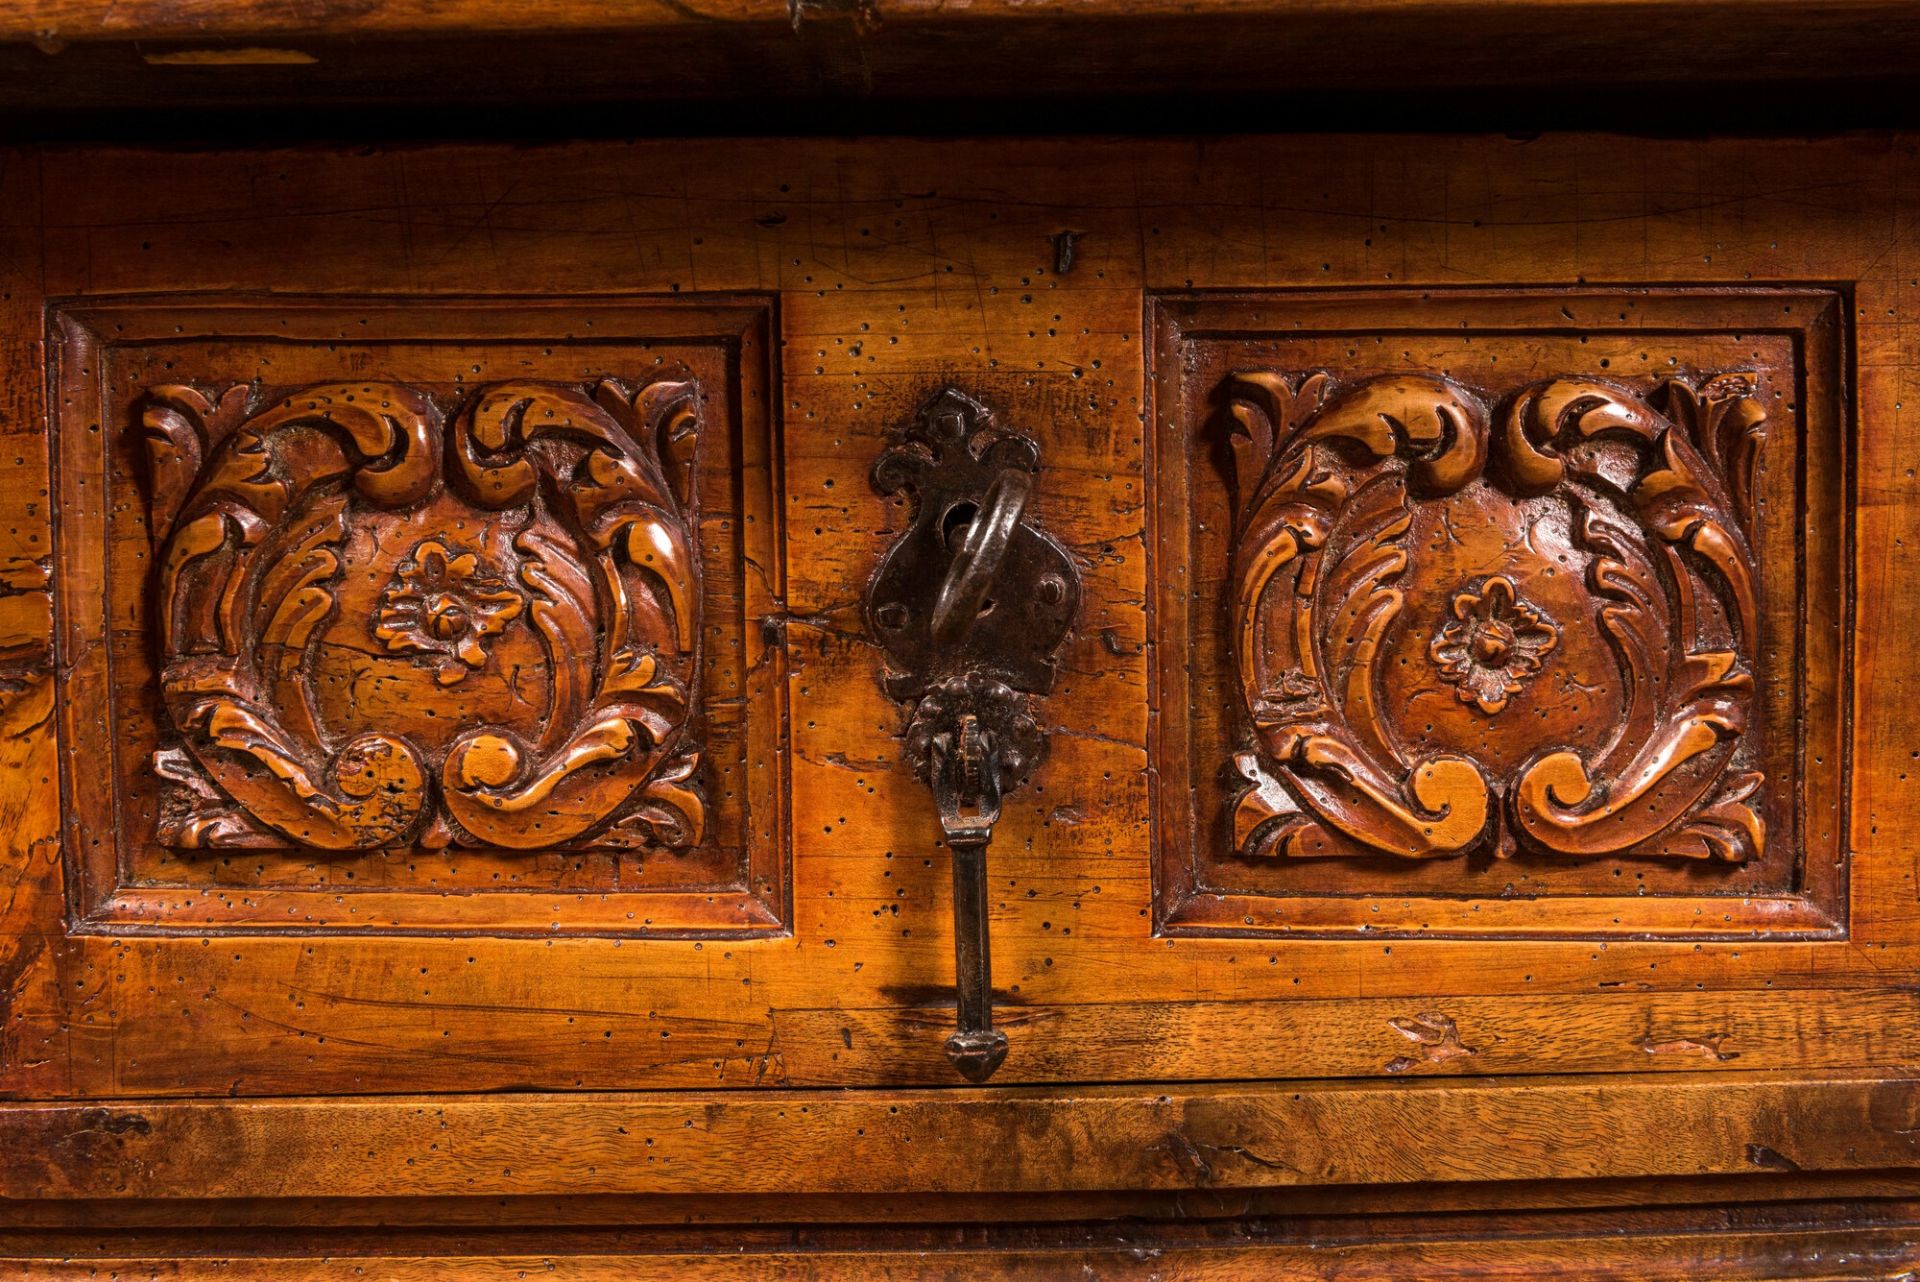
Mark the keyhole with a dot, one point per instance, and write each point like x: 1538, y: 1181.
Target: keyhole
x: 954, y: 525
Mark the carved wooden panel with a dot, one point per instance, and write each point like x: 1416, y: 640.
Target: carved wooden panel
x: 1134, y: 939
x: 394, y: 603
x: 1497, y: 595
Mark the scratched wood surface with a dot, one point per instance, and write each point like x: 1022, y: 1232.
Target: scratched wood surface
x: 1672, y: 1197
x: 1082, y: 1139
x: 1601, y: 1253
x: 899, y: 267
x: 1857, y: 1228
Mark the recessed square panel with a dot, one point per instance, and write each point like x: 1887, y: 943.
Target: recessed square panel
x: 1500, y: 612
x: 420, y: 615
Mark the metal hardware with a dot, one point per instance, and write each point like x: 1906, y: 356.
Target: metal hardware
x: 969, y: 604
x: 977, y: 561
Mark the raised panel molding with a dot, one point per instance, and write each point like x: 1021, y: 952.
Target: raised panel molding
x: 477, y: 618
x: 1516, y: 595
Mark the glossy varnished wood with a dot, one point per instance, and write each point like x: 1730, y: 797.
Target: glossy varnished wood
x: 895, y: 265
x: 1332, y: 475
x: 637, y: 638
x: 281, y: 1048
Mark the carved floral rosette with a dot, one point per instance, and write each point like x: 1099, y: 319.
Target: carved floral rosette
x: 377, y: 628
x: 1462, y: 622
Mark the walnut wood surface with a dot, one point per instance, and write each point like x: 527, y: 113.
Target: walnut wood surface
x: 410, y: 1002
x: 132, y: 969
x: 1604, y: 1254
x: 259, y: 545
x: 1085, y: 1139
x: 1329, y: 541
x: 1453, y: 642
x: 1672, y: 1201
x: 1468, y: 1229
x: 481, y: 624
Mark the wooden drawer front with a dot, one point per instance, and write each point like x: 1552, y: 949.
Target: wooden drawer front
x: 439, y: 661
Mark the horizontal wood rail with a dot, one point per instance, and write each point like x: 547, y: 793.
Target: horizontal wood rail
x: 1577, y: 57
x: 1246, y: 1136
x: 175, y: 19
x: 1728, y: 1256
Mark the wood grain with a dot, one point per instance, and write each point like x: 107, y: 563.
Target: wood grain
x: 1737, y: 1256
x: 1667, y: 1200
x: 1825, y: 1238
x: 1355, y: 581
x: 1067, y: 1140
x: 608, y: 656
x: 894, y: 265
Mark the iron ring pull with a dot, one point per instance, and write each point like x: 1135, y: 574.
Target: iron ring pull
x: 977, y: 561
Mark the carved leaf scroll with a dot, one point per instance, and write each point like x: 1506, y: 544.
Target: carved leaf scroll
x: 1572, y: 561
x: 534, y: 557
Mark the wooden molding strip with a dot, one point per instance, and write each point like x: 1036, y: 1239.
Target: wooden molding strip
x: 225, y: 19
x: 1737, y: 1256
x: 980, y: 1141
x: 214, y: 54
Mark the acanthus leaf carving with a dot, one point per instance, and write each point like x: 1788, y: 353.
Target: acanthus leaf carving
x: 1316, y: 450
x: 174, y: 424
x: 1567, y: 522
x: 532, y: 560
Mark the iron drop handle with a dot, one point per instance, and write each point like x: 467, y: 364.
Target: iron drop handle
x: 969, y: 604
x: 966, y: 786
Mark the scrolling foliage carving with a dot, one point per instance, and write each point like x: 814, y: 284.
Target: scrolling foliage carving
x: 378, y: 626
x: 1464, y: 620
